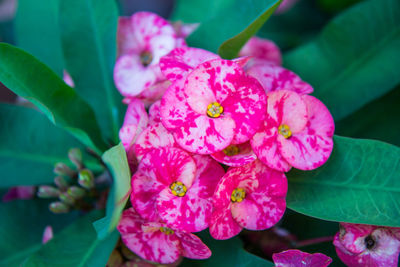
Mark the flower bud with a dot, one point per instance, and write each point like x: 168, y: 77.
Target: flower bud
x: 76, y: 192
x: 66, y: 198
x: 58, y: 207
x: 61, y: 183
x: 64, y: 170
x: 46, y: 191
x: 75, y: 156
x: 86, y: 179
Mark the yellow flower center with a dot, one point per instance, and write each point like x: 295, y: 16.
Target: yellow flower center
x: 146, y: 58
x: 214, y: 110
x: 178, y: 189
x: 285, y: 131
x: 238, y: 195
x: 231, y: 150
x: 166, y: 230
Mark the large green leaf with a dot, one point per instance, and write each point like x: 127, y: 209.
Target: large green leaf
x: 30, y: 147
x: 31, y: 79
x: 77, y: 245
x: 360, y: 183
x: 354, y: 60
x: 37, y: 31
x: 231, y: 24
x: 226, y: 253
x: 117, y: 163
x: 22, y: 223
x: 194, y: 11
x: 88, y: 33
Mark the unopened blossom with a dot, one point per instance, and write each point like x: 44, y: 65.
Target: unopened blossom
x: 297, y: 258
x: 47, y: 234
x: 285, y: 6
x: 68, y: 79
x: 297, y: 132
x: 157, y: 242
x: 142, y: 39
x: 176, y: 187
x: 251, y: 197
x: 235, y: 155
x: 262, y: 50
x: 360, y: 245
x: 215, y: 106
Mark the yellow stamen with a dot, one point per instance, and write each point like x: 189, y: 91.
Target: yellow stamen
x: 238, y: 195
x: 166, y: 230
x: 285, y: 131
x: 178, y: 189
x: 214, y: 110
x: 231, y: 150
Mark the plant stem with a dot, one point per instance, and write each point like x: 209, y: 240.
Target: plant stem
x: 313, y: 241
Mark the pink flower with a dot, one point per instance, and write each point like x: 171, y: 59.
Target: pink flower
x: 177, y: 187
x: 19, y: 192
x: 153, y: 93
x: 154, y: 113
x: 250, y: 197
x: 360, y: 245
x: 47, y: 234
x: 262, y: 49
x: 217, y: 104
x: 297, y: 258
x: 235, y: 155
x: 142, y: 40
x: 183, y: 30
x: 157, y: 242
x: 297, y: 132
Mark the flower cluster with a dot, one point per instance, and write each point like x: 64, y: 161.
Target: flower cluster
x: 248, y: 114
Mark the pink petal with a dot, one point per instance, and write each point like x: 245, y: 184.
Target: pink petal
x: 153, y: 93
x: 180, y: 61
x: 274, y: 78
x: 297, y: 258
x: 68, y: 79
x: 311, y: 148
x: 192, y: 212
x: 265, y: 146
x: 125, y: 39
x: 193, y: 247
x: 222, y: 224
x: 155, y: 136
x: 47, y: 234
x: 285, y: 6
x: 19, y: 192
x: 183, y: 30
x: 130, y: 222
x: 287, y: 107
x: 262, y: 49
x: 154, y: 113
x: 245, y: 156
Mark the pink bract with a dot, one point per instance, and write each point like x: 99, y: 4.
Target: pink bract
x: 298, y: 132
x: 297, y: 258
x: 154, y: 113
x: 251, y: 197
x: 367, y: 245
x: 235, y: 155
x: 156, y: 242
x: 185, y: 107
x: 262, y: 49
x: 153, y: 93
x: 142, y: 40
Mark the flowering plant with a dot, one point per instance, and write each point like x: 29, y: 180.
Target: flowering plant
x: 194, y: 141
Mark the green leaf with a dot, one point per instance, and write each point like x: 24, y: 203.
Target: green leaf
x: 193, y: 11
x: 232, y: 24
x: 226, y: 253
x: 360, y: 183
x: 22, y: 223
x: 30, y: 147
x: 31, y: 79
x: 117, y: 163
x: 37, y: 32
x: 354, y: 60
x: 88, y: 33
x: 77, y: 245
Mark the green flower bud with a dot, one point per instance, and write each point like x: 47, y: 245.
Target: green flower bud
x: 86, y: 179
x: 61, y: 183
x: 46, y: 191
x: 58, y: 207
x: 67, y: 198
x: 76, y: 192
x: 64, y: 170
x: 75, y: 156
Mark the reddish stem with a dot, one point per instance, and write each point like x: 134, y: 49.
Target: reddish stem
x: 313, y: 241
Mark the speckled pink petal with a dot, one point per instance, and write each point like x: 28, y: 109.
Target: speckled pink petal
x: 153, y: 137
x: 130, y: 222
x: 131, y: 77
x: 309, y: 149
x: 192, y: 212
x: 262, y: 49
x: 125, y: 39
x: 193, y: 247
x: 154, y: 113
x: 265, y: 204
x: 245, y: 156
x: 275, y: 78
x: 153, y: 93
x: 222, y: 224
x: 265, y: 146
x: 297, y: 258
x: 181, y: 61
